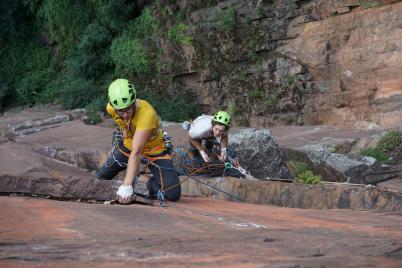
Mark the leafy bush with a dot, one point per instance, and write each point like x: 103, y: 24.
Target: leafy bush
x: 88, y: 66
x: 76, y: 92
x: 145, y: 26
x: 93, y: 109
x: 25, y: 64
x: 178, y: 33
x: 228, y: 19
x: 113, y: 14
x: 94, y: 36
x: 391, y: 144
x: 30, y: 87
x: 300, y: 120
x: 377, y: 154
x: 308, y: 177
x: 50, y: 90
x: 137, y: 49
x: 388, y: 150
x: 66, y: 20
x: 24, y: 61
x: 90, y: 57
x: 83, y: 46
x: 129, y: 55
x: 181, y: 107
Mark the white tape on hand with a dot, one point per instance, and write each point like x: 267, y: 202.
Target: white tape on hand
x: 125, y: 191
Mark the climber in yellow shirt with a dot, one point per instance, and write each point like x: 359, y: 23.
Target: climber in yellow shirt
x: 140, y: 136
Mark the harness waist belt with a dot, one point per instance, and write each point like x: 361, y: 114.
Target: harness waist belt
x: 125, y: 151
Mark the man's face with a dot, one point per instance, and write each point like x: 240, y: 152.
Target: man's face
x: 126, y: 113
x: 218, y: 130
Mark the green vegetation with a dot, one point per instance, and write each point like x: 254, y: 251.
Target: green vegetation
x: 226, y: 19
x: 260, y: 11
x: 290, y: 79
x: 302, y: 170
x: 298, y: 166
x: 300, y: 119
x: 129, y: 56
x: 392, y: 144
x: 232, y: 108
x: 93, y: 111
x: 168, y: 110
x: 308, y: 177
x: 377, y: 154
x: 257, y: 93
x: 271, y: 101
x: 178, y: 33
x: 68, y: 51
x: 66, y: 19
x: 252, y: 45
x: 388, y: 150
x: 337, y: 148
x: 369, y: 3
x: 137, y: 50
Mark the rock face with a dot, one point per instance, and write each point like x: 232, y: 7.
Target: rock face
x: 14, y: 129
x: 324, y: 196
x: 358, y: 57
x: 259, y: 153
x: 195, y: 230
x: 59, y: 162
x: 348, y: 168
x: 66, y: 188
x: 293, y: 62
x: 333, y: 153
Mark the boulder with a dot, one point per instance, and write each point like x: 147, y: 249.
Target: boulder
x: 351, y: 168
x: 258, y: 152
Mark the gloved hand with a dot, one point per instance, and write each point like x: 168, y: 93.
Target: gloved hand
x: 124, y: 193
x: 204, y: 156
x: 223, y: 155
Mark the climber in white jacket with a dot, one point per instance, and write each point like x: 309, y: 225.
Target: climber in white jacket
x: 207, y: 129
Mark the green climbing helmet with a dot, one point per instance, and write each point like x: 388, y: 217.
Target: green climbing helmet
x: 223, y: 118
x: 121, y: 93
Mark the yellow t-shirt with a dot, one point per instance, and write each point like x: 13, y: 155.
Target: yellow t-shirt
x: 144, y: 118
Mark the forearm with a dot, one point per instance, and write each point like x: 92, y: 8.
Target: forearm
x: 132, y: 168
x: 197, y: 144
x: 224, y: 142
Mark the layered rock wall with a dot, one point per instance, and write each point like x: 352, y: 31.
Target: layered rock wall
x: 293, y: 62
